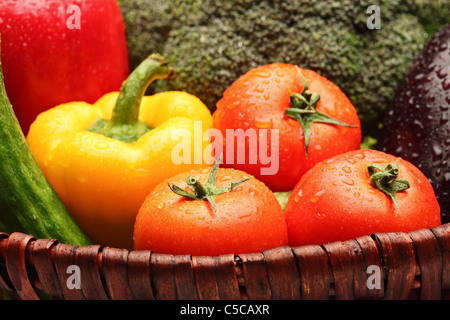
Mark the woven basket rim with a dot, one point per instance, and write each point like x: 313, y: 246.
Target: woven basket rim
x: 415, y: 263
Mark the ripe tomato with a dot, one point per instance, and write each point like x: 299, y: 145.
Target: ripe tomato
x: 338, y: 200
x: 260, y: 100
x: 247, y: 218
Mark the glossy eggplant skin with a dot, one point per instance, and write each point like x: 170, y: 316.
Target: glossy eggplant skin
x: 417, y: 123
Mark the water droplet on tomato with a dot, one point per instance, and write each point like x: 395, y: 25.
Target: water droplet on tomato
x: 262, y: 74
x: 252, y: 192
x: 359, y: 156
x: 263, y: 123
x: 347, y: 169
x: 316, y: 197
x: 348, y: 182
x: 231, y: 106
x: 320, y: 215
x: 161, y: 205
x: 380, y: 160
x: 259, y: 89
x: 225, y: 178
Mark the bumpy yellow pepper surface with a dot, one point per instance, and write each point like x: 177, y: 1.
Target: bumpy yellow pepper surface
x: 103, y: 159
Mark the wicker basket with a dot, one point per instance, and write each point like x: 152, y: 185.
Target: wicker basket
x: 414, y: 265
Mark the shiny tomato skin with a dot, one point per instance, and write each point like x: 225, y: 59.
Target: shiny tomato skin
x: 258, y: 100
x: 248, y: 219
x: 335, y: 201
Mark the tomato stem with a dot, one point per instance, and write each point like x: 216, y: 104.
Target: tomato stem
x: 207, y: 191
x: 124, y: 124
x: 386, y: 180
x: 304, y: 110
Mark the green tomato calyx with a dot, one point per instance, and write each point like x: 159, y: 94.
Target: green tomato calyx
x: 207, y: 191
x: 386, y: 180
x: 304, y: 110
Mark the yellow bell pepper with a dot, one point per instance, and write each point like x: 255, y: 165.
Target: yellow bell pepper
x: 103, y: 159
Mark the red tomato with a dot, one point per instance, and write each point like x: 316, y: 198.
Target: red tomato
x: 259, y: 100
x: 247, y: 219
x: 337, y: 200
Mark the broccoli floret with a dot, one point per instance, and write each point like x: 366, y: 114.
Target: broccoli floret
x: 147, y: 27
x: 212, y: 43
x: 194, y: 72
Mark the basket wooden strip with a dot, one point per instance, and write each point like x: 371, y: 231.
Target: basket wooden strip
x: 443, y: 239
x: 139, y: 277
x: 430, y: 263
x: 398, y: 256
x: 205, y: 278
x: 184, y: 278
x: 373, y: 263
x: 315, y: 273
x: 227, y: 279
x: 254, y: 278
x: 282, y: 272
x: 413, y: 265
x: 114, y: 270
x: 348, y: 268
x: 17, y: 268
x: 87, y: 259
x: 64, y: 257
x: 5, y: 284
x: 163, y: 276
x: 42, y: 255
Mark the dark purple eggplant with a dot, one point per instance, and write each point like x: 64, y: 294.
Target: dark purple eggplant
x: 417, y: 123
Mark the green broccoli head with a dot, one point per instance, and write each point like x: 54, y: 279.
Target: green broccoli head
x: 207, y: 72
x: 147, y: 25
x: 212, y: 43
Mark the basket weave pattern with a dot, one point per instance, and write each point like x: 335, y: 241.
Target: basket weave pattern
x: 414, y: 265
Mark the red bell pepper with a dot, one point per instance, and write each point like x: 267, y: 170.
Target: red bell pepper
x: 56, y: 51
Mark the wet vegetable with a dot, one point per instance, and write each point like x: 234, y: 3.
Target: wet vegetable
x: 313, y: 118
x: 358, y: 193
x: 417, y: 125
x: 103, y: 159
x: 210, y: 212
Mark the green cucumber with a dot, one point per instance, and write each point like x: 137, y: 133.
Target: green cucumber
x: 28, y: 203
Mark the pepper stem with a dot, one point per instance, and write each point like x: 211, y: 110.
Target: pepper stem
x: 386, y: 180
x: 124, y: 124
x: 304, y: 110
x: 207, y: 191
